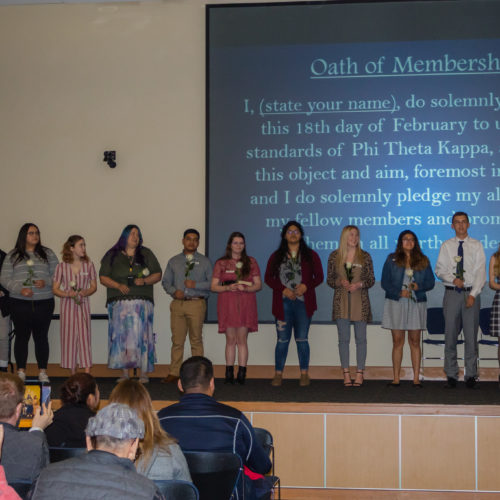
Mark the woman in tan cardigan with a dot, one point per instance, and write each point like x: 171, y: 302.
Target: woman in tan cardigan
x: 350, y: 274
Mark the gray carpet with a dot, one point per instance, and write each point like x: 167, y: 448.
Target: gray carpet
x: 325, y: 391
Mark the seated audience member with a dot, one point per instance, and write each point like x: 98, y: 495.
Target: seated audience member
x: 200, y: 423
x: 107, y: 471
x: 6, y: 492
x: 24, y: 454
x: 80, y: 399
x: 161, y: 456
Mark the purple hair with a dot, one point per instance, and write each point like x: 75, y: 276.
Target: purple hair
x: 121, y: 245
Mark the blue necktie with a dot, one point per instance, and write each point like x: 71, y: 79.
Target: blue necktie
x: 460, y: 265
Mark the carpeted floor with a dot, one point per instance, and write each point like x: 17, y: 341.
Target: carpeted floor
x: 324, y: 391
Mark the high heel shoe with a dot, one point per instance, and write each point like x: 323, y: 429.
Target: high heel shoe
x: 347, y: 378
x: 242, y: 374
x: 357, y: 382
x: 229, y: 375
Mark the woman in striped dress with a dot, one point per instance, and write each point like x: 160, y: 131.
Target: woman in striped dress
x: 75, y: 280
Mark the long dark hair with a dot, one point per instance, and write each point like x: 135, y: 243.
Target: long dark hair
x: 121, y: 245
x: 245, y: 259
x: 20, y: 253
x: 281, y: 253
x: 418, y: 260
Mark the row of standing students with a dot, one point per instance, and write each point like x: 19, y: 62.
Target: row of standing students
x: 129, y: 270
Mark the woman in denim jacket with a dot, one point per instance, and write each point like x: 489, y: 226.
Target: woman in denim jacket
x: 406, y: 277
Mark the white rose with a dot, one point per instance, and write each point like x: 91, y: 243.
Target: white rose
x: 409, y: 273
x: 189, y: 257
x: 30, y: 263
x: 239, y: 264
x: 72, y: 284
x: 348, y: 265
x: 145, y: 272
x: 458, y: 259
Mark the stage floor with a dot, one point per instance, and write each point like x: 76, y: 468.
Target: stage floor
x: 323, y: 391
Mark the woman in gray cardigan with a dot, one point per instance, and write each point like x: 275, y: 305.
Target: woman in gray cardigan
x: 27, y: 273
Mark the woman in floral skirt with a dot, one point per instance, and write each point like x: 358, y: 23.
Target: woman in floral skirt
x: 128, y: 271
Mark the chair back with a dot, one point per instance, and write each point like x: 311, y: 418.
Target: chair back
x: 435, y: 321
x: 264, y: 438
x: 484, y: 320
x: 21, y: 487
x: 176, y: 489
x: 214, y: 473
x: 58, y: 453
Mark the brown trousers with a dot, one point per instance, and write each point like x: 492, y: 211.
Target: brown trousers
x: 186, y: 316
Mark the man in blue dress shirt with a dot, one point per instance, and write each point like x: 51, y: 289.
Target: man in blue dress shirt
x: 187, y: 280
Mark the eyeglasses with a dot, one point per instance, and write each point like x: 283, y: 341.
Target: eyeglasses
x: 33, y: 233
x: 409, y: 239
x: 293, y: 231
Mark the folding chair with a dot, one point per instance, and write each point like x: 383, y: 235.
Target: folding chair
x: 435, y: 333
x: 485, y: 338
x: 176, y: 489
x: 265, y: 439
x: 21, y: 487
x: 215, y: 473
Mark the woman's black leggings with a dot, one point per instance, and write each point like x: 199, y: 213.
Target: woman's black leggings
x: 31, y: 316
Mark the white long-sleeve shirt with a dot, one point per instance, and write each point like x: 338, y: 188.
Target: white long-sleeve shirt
x: 474, y: 263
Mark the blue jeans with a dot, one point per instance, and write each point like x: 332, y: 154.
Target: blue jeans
x: 297, y: 319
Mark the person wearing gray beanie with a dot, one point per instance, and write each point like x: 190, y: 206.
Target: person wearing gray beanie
x: 107, y: 471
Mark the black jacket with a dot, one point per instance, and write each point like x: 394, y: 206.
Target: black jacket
x: 68, y: 427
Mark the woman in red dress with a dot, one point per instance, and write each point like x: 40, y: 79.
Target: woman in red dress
x: 236, y: 278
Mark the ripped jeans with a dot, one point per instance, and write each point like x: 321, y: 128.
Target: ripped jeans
x: 297, y: 319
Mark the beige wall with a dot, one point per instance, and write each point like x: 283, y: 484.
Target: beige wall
x: 80, y: 79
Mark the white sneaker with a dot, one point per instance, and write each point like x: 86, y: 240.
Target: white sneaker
x: 22, y: 375
x: 43, y: 377
x: 144, y: 379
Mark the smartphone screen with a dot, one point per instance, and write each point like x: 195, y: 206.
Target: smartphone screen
x: 32, y: 398
x: 35, y: 393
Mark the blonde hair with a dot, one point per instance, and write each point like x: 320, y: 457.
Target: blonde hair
x: 133, y: 394
x: 359, y: 257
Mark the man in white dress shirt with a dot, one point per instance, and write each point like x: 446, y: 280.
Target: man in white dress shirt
x: 461, y: 266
